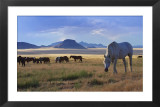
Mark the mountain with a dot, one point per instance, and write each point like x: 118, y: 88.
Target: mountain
x: 68, y: 43
x: 88, y: 45
x: 24, y: 45
x: 54, y: 44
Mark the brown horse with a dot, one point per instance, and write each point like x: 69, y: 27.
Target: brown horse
x: 62, y: 59
x: 77, y: 57
x: 21, y: 60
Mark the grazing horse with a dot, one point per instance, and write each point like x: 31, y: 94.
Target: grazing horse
x: 66, y: 58
x: 62, y: 59
x: 118, y: 51
x: 57, y: 59
x: 44, y: 59
x: 140, y: 56
x: 21, y: 60
x: 76, y: 57
x: 28, y: 59
x: 37, y: 60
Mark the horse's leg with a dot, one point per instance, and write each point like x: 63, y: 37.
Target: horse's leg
x: 130, y: 58
x: 114, y: 67
x: 23, y: 63
x: 80, y: 60
x: 124, y: 62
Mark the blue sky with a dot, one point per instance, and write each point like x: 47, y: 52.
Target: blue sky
x: 44, y: 30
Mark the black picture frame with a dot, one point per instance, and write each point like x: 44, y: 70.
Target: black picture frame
x: 4, y: 51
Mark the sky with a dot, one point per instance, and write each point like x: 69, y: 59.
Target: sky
x: 44, y: 30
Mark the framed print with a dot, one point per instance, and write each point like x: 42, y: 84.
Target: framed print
x: 68, y: 53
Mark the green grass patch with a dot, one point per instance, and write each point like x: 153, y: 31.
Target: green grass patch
x: 76, y: 75
x: 77, y: 85
x: 28, y: 83
x: 24, y: 74
x: 70, y: 75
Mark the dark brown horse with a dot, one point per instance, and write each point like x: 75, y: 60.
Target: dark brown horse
x: 140, y: 56
x: 62, y: 59
x: 21, y: 60
x: 28, y: 59
x: 76, y: 58
x: 44, y: 59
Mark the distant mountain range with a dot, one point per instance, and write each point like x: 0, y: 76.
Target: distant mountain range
x: 24, y: 45
x: 68, y: 43
x: 54, y: 44
x: 92, y: 45
x: 84, y: 44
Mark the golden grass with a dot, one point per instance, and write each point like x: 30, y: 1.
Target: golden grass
x: 76, y: 76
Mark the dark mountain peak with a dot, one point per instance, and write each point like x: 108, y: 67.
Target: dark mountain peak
x: 69, y: 43
x: 68, y: 40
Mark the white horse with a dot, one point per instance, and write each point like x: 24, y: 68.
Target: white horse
x: 118, y: 51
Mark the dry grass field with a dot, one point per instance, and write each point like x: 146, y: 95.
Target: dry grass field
x: 87, y: 76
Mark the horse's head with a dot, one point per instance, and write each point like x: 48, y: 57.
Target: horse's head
x: 107, y: 62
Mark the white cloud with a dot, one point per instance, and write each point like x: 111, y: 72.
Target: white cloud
x: 98, y: 32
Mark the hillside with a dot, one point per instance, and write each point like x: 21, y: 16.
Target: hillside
x: 69, y: 44
x: 24, y: 45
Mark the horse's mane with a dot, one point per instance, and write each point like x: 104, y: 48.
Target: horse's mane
x: 113, y: 49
